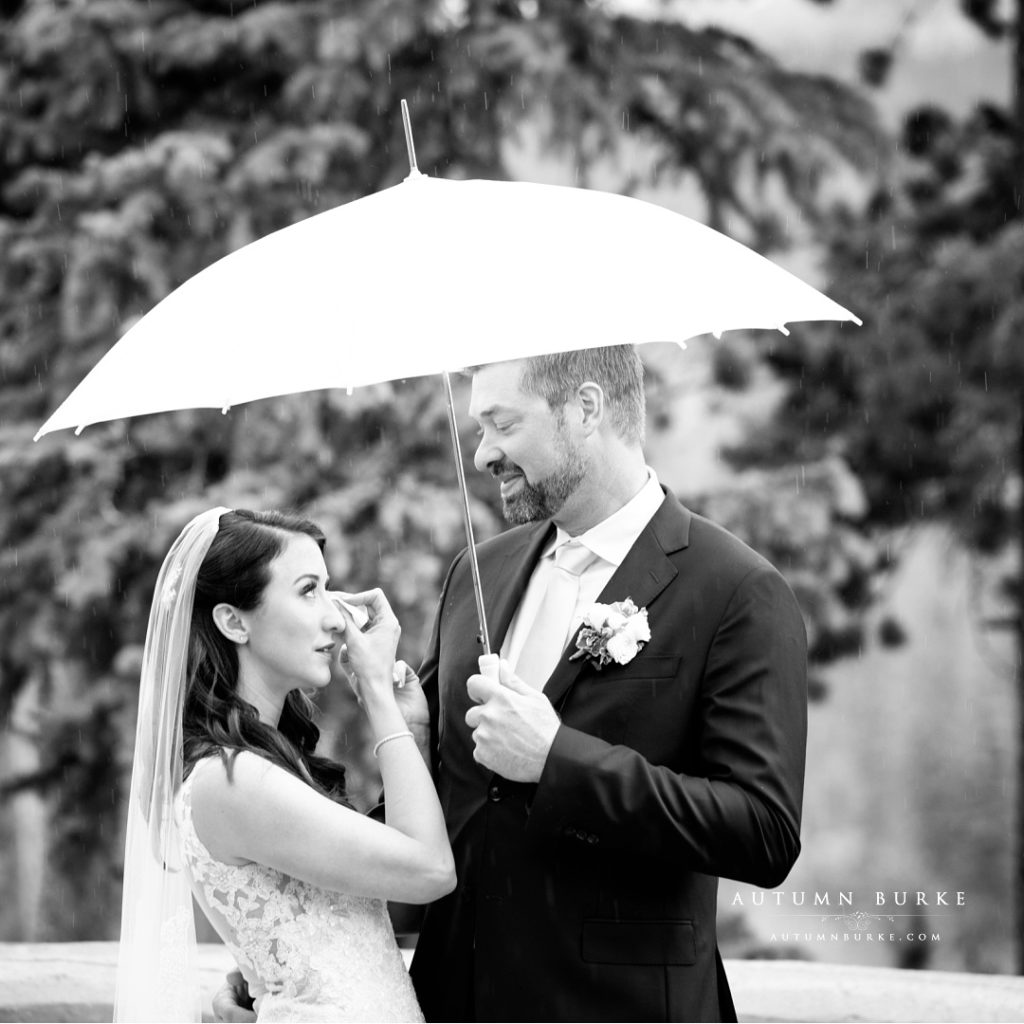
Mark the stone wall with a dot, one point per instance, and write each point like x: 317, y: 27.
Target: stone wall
x: 74, y: 981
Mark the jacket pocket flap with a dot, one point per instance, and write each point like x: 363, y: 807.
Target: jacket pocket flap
x: 655, y: 667
x: 639, y: 942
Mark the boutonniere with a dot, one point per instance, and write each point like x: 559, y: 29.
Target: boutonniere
x: 612, y: 632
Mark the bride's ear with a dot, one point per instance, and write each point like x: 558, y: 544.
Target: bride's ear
x: 229, y: 622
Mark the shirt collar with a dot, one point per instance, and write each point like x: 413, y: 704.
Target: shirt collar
x: 612, y: 538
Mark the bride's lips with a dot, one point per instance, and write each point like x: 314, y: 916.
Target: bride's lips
x: 511, y: 483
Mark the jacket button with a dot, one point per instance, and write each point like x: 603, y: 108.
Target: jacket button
x: 494, y: 793
x: 591, y: 840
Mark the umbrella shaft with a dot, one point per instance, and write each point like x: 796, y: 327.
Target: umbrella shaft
x: 409, y: 145
x: 467, y: 521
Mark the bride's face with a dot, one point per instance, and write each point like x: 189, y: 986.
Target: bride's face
x: 294, y: 633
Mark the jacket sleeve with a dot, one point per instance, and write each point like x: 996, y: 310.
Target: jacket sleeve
x: 738, y: 815
x: 428, y: 671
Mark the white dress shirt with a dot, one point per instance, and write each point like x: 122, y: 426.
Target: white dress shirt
x: 610, y: 540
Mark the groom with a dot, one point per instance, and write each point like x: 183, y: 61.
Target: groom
x: 591, y: 810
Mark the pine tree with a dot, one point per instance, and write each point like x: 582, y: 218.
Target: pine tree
x: 139, y: 142
x: 926, y: 407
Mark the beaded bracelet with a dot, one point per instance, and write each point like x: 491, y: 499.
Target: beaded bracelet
x: 392, y: 736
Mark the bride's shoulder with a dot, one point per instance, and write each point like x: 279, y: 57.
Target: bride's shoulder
x: 230, y: 775
x: 230, y: 796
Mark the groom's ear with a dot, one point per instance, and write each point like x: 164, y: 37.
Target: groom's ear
x: 229, y: 621
x: 590, y: 399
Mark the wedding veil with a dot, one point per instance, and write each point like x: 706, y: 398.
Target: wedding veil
x: 157, y: 970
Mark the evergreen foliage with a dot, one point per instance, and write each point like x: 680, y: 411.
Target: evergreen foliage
x: 139, y: 142
x: 925, y: 402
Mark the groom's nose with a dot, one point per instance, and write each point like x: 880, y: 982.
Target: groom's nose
x: 486, y: 454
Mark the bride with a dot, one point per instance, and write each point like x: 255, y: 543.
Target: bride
x: 229, y: 802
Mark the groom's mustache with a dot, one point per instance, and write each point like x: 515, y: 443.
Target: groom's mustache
x: 504, y: 468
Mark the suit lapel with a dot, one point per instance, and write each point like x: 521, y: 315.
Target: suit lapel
x: 644, y: 573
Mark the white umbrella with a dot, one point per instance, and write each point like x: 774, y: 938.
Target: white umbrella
x: 429, y: 276
x: 433, y: 275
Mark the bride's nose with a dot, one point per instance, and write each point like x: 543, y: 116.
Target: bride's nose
x: 334, y: 620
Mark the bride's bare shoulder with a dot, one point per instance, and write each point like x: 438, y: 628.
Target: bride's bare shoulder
x: 230, y: 796
x: 240, y: 803
x: 229, y: 777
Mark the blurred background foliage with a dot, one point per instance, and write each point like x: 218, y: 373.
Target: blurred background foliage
x: 140, y: 141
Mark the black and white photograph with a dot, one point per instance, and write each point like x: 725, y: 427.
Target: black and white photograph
x: 511, y: 510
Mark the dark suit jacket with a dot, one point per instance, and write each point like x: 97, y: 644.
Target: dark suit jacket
x: 592, y: 895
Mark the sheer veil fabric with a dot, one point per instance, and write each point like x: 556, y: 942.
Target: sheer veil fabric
x: 157, y: 970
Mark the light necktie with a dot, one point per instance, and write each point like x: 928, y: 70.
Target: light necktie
x: 549, y: 632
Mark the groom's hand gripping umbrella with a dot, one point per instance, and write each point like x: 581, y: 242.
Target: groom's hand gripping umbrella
x: 500, y: 270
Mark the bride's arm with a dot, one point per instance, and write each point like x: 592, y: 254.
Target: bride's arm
x: 409, y: 696
x: 265, y: 814
x: 413, y: 705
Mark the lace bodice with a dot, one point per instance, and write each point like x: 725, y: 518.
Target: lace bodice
x: 307, y: 953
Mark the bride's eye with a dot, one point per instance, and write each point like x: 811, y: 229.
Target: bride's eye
x: 309, y: 588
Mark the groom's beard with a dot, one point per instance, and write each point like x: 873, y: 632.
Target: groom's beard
x: 544, y: 498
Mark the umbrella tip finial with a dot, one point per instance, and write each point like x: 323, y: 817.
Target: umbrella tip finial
x: 407, y: 125
x: 782, y: 329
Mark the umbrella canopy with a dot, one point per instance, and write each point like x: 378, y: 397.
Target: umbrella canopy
x: 432, y: 275
x: 427, y: 277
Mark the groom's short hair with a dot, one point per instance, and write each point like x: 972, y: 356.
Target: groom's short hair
x: 616, y: 369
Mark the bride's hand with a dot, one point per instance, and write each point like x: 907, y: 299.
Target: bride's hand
x: 369, y: 654
x: 409, y: 696
x: 232, y: 1002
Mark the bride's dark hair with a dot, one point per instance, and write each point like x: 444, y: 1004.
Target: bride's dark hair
x: 215, y: 720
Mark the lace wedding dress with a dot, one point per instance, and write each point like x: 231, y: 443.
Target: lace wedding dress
x: 308, y: 954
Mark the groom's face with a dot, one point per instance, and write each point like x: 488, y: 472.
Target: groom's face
x: 525, y: 444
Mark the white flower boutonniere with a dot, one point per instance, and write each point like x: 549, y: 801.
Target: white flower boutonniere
x: 612, y: 632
